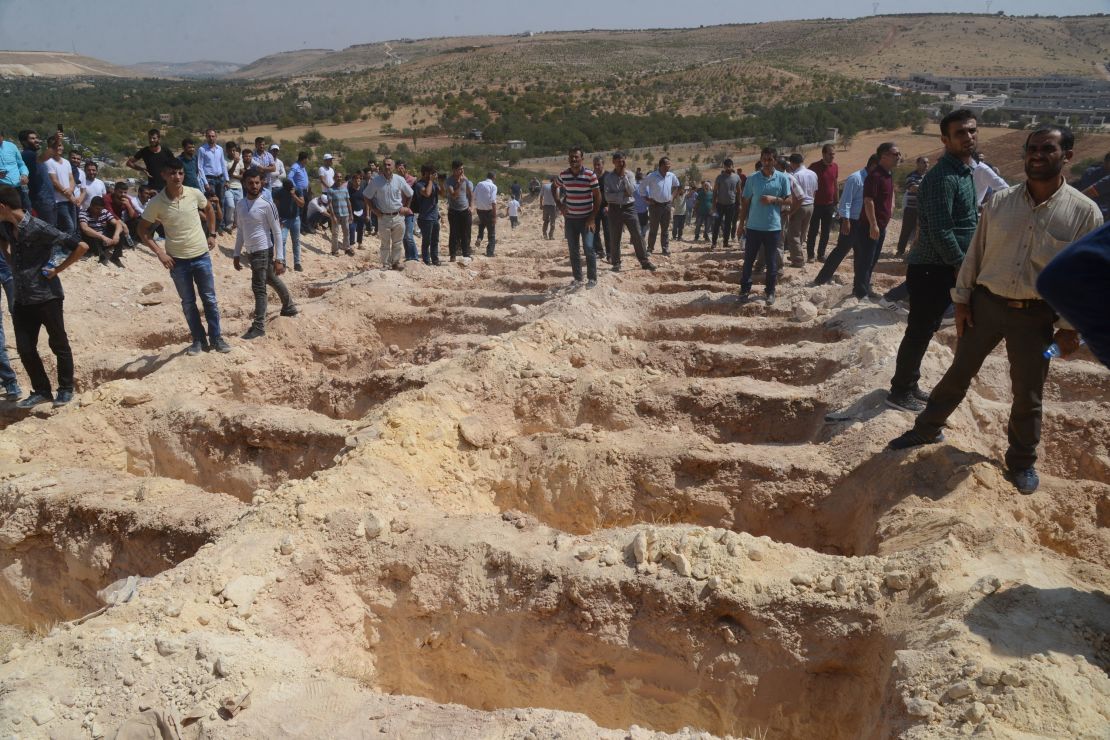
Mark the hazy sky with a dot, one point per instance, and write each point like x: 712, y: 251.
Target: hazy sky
x: 129, y: 31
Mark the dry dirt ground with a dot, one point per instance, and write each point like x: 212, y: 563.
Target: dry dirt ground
x: 473, y: 501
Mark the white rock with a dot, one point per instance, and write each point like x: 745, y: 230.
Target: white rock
x: 287, y: 545
x: 373, y: 525
x: 1010, y: 678
x: 475, y: 432
x: 609, y: 556
x: 755, y: 553
x: 640, y: 547
x: 959, y: 690
x: 166, y: 647
x: 801, y: 579
x: 585, y: 552
x: 840, y: 585
x: 990, y: 677
x: 516, y: 309
x: 976, y: 712
x: 242, y: 590
x: 221, y: 667
x: 805, y: 311
x: 681, y: 563
x: 42, y: 716
x: 236, y: 625
x: 173, y: 609
x: 897, y: 580
x: 922, y: 708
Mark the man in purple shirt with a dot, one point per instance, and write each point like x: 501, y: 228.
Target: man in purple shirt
x: 878, y: 204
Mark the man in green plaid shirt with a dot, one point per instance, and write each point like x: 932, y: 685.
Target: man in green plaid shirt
x: 339, y: 203
x: 947, y: 217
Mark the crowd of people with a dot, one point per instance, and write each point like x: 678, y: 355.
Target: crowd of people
x: 973, y: 245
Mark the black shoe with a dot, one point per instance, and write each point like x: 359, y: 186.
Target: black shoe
x: 905, y: 401
x: 33, y: 400
x: 64, y: 397
x: 666, y: 253
x: 221, y: 345
x: 437, y: 263
x: 254, y: 333
x: 821, y: 258
x: 115, y: 260
x: 196, y: 348
x: 591, y: 284
x: 298, y: 268
x: 913, y: 438
x: 1025, y: 480
x: 919, y: 394
x: 104, y: 259
x: 616, y: 268
x: 290, y: 311
x: 649, y: 266
x: 770, y: 299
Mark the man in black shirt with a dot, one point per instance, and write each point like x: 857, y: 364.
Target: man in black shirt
x: 28, y: 245
x: 151, y: 159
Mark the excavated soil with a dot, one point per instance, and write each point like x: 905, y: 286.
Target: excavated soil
x: 474, y: 501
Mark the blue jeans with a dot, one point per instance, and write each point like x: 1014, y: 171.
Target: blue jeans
x: 768, y: 241
x: 579, y: 237
x: 429, y: 240
x: 7, y: 375
x: 409, y: 240
x: 292, y: 227
x: 197, y: 271
x: 231, y: 198
x: 65, y: 220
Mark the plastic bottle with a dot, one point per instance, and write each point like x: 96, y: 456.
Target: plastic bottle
x: 50, y: 265
x: 1053, y: 350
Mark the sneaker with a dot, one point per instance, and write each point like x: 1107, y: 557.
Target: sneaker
x: 104, y: 259
x: 919, y: 394
x: 221, y: 345
x: 62, y: 398
x: 298, y: 268
x: 888, y: 304
x: 770, y: 299
x: 591, y: 284
x: 905, y: 401
x: 436, y: 263
x: 1025, y: 480
x: 349, y: 252
x: 290, y: 311
x: 649, y: 266
x: 913, y: 438
x: 666, y: 252
x: 616, y: 268
x: 254, y: 333
x: 33, y: 400
x: 116, y: 261
x: 12, y: 393
x: 196, y: 348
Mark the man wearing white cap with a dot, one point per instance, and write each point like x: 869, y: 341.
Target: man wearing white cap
x: 327, y: 173
x: 387, y: 195
x: 277, y: 177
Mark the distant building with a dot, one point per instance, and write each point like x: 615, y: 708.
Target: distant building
x: 516, y: 143
x: 165, y: 117
x: 474, y: 133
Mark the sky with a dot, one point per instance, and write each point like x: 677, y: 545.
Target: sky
x: 132, y: 31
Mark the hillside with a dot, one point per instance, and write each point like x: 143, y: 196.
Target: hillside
x: 869, y: 47
x: 204, y: 68
x: 57, y: 64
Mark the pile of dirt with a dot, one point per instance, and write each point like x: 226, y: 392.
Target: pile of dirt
x: 475, y: 500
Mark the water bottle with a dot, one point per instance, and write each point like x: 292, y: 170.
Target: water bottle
x: 1053, y: 350
x: 50, y: 265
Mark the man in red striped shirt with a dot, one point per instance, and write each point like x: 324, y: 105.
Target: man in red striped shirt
x: 578, y: 196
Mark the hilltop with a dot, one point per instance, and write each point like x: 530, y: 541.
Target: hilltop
x: 57, y: 64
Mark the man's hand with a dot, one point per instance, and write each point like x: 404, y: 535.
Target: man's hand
x: 874, y: 232
x: 768, y: 200
x: 51, y: 273
x: 1067, y: 340
x: 590, y: 224
x: 211, y: 242
x: 235, y: 261
x: 279, y: 267
x: 165, y: 259
x: 845, y: 226
x: 963, y: 318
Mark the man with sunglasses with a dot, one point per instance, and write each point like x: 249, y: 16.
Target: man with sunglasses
x: 1020, y: 231
x: 948, y: 212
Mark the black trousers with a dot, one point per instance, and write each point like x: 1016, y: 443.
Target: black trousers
x: 1027, y: 331
x: 909, y: 227
x: 487, y: 222
x: 845, y: 243
x: 822, y: 219
x: 458, y: 240
x: 865, y: 258
x: 929, y: 289
x: 726, y: 219
x: 27, y: 320
x: 601, y: 236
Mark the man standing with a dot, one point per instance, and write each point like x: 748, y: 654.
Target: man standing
x: 765, y: 193
x: 265, y: 163
x: 259, y: 229
x: 824, y: 201
x: 703, y: 210
x: 191, y: 164
x: 27, y: 245
x: 339, y: 203
x: 547, y: 203
x: 425, y: 204
x: 909, y: 204
x: 849, y: 208
x: 878, y: 204
x: 947, y: 214
x: 39, y: 187
x: 727, y: 192
x: 641, y: 205
x: 1021, y: 229
x: 186, y: 253
x: 581, y: 198
x: 289, y: 205
x: 601, y: 241
x: 798, y: 224
x: 298, y: 173
x: 152, y: 159
x: 460, y: 212
x: 485, y: 203
x: 658, y: 188
x: 387, y: 195
x: 213, y: 168
x: 619, y: 187
x: 410, y: 219
x: 13, y: 170
x: 60, y: 172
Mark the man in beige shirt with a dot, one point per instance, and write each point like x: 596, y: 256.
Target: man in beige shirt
x: 1020, y: 230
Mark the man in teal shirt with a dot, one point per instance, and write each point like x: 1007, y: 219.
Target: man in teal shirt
x: 765, y: 193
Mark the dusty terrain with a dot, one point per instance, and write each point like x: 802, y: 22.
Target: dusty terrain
x: 472, y: 501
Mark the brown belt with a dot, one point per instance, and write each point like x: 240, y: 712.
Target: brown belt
x: 1013, y: 302
x: 390, y: 214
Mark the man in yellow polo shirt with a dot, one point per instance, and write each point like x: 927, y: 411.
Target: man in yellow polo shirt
x: 186, y: 253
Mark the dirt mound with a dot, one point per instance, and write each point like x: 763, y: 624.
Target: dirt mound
x: 473, y: 500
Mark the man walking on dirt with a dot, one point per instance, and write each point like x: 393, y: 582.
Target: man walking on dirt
x: 581, y: 198
x: 797, y: 225
x: 618, y: 187
x: 186, y: 253
x: 1020, y: 231
x: 658, y: 189
x: 460, y: 211
x: 550, y: 209
x: 259, y: 233
x: 765, y: 193
x: 727, y: 192
x: 824, y: 202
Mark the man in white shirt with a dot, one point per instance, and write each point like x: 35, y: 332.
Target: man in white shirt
x: 259, y: 230
x: 986, y: 180
x: 387, y: 196
x: 485, y: 203
x: 658, y: 188
x: 60, y: 172
x: 94, y: 187
x: 278, y: 177
x: 326, y: 173
x: 797, y: 226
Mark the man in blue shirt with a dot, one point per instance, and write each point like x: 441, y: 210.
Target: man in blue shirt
x: 13, y: 169
x: 39, y: 189
x: 212, y: 167
x: 765, y: 193
x: 849, y: 210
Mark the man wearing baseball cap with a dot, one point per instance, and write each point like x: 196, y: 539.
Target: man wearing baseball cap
x: 277, y: 177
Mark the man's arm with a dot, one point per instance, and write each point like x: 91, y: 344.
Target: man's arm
x: 967, y: 275
x: 84, y: 228
x: 146, y: 231
x: 137, y: 164
x: 210, y: 219
x: 869, y: 211
x: 274, y: 224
